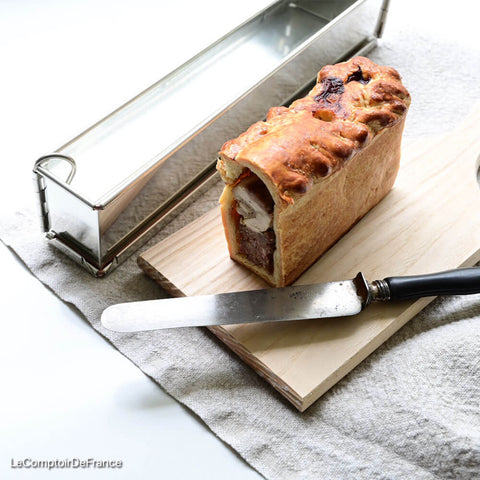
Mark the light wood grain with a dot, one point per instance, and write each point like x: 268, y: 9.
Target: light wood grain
x: 430, y: 221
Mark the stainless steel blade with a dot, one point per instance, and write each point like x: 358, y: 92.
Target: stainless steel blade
x: 336, y: 299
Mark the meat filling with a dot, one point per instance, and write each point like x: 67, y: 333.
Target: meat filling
x: 254, y: 216
x: 257, y: 247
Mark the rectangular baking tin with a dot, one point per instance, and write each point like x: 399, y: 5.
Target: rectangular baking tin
x: 105, y: 190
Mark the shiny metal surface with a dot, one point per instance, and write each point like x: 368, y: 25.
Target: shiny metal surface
x: 162, y: 117
x: 143, y: 161
x: 303, y: 302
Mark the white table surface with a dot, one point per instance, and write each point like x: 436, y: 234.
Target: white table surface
x: 66, y: 392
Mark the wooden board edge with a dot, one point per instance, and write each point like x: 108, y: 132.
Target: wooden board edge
x: 159, y: 278
x: 259, y: 367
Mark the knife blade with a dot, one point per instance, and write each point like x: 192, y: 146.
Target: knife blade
x: 297, y: 302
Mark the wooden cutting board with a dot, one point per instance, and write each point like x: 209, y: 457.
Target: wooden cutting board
x: 429, y: 222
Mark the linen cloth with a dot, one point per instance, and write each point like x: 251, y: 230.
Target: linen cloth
x: 410, y: 410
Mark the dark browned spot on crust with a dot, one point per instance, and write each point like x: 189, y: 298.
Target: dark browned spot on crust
x: 331, y: 86
x: 358, y: 76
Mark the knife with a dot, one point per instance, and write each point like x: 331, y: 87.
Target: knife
x: 297, y: 302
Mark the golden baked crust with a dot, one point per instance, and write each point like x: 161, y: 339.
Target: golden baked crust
x: 300, y: 145
x: 326, y: 161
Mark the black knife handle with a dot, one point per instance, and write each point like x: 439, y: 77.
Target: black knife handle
x: 461, y: 281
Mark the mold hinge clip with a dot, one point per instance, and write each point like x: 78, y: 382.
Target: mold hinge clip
x: 40, y: 187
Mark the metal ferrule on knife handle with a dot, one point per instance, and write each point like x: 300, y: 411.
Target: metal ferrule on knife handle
x: 379, y: 291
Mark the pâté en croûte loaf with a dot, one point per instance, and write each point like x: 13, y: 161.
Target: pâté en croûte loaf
x: 295, y: 183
